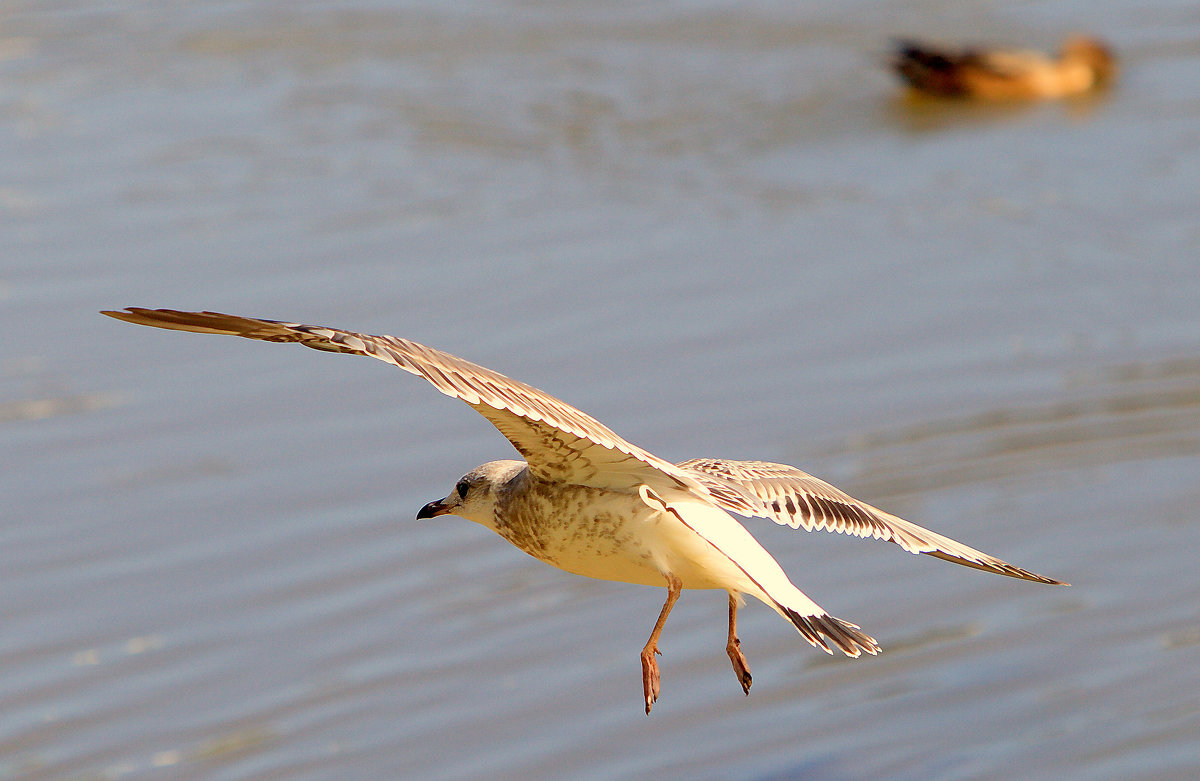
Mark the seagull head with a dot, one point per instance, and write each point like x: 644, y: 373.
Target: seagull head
x: 477, y: 493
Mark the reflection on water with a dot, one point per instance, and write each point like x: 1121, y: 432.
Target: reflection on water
x: 1103, y: 416
x: 39, y: 409
x: 920, y: 113
x: 922, y: 641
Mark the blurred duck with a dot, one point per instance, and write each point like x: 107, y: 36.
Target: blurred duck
x: 1083, y: 64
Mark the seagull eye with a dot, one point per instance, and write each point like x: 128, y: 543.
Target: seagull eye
x: 462, y: 489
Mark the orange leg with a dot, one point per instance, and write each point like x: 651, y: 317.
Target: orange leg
x: 734, y: 648
x: 650, y: 677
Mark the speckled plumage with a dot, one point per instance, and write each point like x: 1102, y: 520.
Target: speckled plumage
x: 589, y: 502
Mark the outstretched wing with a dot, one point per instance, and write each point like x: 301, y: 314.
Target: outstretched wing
x: 558, y: 441
x: 794, y: 498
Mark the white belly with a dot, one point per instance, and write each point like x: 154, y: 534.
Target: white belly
x: 617, y: 536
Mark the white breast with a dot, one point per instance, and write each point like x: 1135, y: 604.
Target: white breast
x: 618, y: 536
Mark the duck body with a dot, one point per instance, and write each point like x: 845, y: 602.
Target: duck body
x: 1005, y: 75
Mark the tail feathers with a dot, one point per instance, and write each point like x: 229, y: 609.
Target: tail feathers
x: 928, y: 69
x: 846, y: 636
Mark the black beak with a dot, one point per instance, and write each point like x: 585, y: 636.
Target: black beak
x: 432, y: 510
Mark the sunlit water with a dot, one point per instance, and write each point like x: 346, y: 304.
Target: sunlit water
x: 718, y: 229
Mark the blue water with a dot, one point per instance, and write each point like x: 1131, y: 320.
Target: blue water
x: 718, y: 229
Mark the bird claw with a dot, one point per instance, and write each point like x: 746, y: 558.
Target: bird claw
x: 651, y: 686
x: 741, y: 668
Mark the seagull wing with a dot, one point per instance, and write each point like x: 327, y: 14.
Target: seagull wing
x: 794, y: 498
x: 558, y: 442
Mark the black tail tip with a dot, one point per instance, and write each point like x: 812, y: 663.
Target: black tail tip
x: 849, y: 639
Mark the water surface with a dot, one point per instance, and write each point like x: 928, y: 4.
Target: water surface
x: 716, y: 228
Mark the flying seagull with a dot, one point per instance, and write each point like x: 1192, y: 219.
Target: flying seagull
x: 589, y: 502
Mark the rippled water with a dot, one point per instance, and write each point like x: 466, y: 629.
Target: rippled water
x: 718, y: 229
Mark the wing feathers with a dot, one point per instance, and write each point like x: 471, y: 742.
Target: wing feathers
x: 561, y: 443
x: 794, y: 498
x: 557, y: 440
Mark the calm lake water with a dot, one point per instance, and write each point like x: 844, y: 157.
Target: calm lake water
x: 716, y: 227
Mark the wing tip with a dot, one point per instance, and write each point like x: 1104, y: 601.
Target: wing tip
x: 160, y: 317
x: 1046, y: 580
x: 1014, y: 571
x: 995, y: 566
x: 120, y: 314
